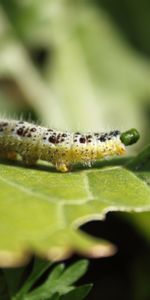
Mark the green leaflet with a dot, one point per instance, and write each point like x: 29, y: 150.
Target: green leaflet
x: 58, y: 285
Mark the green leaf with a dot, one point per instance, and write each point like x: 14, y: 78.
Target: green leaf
x: 78, y: 293
x: 55, y: 297
x: 58, y: 284
x: 56, y: 272
x: 74, y: 272
x: 41, y: 209
x: 141, y: 164
x: 39, y: 267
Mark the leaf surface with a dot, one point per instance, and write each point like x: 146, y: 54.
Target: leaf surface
x: 41, y: 209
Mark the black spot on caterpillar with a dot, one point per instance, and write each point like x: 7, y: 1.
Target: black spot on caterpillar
x: 62, y: 149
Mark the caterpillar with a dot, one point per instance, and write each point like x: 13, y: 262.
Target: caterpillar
x: 62, y: 149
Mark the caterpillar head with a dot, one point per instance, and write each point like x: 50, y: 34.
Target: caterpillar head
x: 130, y: 137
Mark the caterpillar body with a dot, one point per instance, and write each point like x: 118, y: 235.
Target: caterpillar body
x: 62, y: 149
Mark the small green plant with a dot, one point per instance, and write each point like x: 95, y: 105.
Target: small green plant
x: 58, y: 285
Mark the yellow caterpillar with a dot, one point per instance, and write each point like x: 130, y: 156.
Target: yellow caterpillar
x: 62, y: 149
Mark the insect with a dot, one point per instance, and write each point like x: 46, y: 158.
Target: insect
x: 62, y: 149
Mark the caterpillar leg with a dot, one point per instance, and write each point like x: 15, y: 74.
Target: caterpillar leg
x: 121, y: 150
x: 8, y: 155
x: 62, y: 167
x: 29, y: 161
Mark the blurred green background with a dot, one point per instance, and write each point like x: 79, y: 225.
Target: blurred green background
x: 84, y: 65
x: 79, y: 65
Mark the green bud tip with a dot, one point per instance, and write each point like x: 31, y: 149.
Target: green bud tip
x: 130, y: 137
